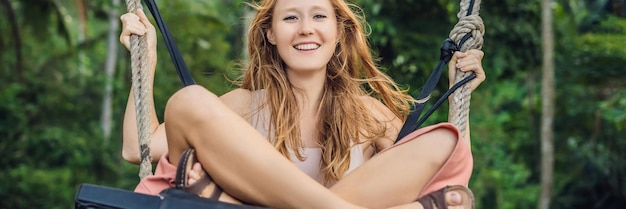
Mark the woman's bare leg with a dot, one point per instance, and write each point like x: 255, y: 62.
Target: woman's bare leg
x: 236, y: 156
x: 398, y: 175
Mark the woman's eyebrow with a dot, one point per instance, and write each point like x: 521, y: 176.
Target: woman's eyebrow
x: 295, y: 9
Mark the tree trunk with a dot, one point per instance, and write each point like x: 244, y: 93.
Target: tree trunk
x: 547, y: 105
x: 109, y: 70
x: 82, y: 35
x: 618, y: 8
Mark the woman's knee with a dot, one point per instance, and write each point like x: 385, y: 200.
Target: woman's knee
x: 444, y: 137
x: 190, y: 103
x: 440, y: 144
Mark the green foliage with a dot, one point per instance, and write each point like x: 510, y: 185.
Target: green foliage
x: 613, y: 110
x: 590, y: 154
x: 408, y: 42
x: 50, y: 117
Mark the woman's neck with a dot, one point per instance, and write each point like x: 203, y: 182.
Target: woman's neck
x: 309, y: 87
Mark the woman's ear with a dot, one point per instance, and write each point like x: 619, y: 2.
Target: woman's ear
x: 270, y: 37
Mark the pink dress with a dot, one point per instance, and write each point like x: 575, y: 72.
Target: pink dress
x: 163, y: 178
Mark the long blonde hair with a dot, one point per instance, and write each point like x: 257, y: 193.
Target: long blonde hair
x: 351, y: 74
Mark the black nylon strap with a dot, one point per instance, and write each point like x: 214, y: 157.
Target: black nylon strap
x: 444, y: 97
x: 183, y: 73
x: 414, y: 121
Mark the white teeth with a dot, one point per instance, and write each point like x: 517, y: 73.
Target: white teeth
x: 306, y: 46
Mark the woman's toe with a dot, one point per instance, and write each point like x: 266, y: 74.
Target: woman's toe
x: 453, y: 198
x: 195, y: 173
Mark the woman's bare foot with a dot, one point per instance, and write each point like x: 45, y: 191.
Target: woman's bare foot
x: 449, y: 197
x: 192, y: 178
x: 453, y: 201
x: 196, y: 173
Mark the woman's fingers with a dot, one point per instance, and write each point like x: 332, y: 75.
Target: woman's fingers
x: 130, y: 25
x: 144, y: 19
x: 131, y: 29
x: 149, y: 29
x: 135, y: 24
x: 468, y: 61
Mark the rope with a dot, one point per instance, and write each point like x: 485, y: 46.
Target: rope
x: 141, y: 90
x: 467, y: 34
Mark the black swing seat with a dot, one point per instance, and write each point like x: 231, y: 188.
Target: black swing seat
x: 91, y: 196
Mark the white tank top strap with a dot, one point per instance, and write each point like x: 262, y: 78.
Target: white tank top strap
x: 260, y: 117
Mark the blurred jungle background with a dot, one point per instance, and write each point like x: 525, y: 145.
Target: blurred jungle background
x: 65, y: 78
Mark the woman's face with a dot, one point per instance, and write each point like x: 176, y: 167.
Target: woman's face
x: 304, y: 32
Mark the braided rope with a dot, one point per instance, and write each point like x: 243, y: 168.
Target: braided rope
x: 141, y: 90
x: 469, y: 23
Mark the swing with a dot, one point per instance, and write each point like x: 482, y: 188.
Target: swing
x: 467, y: 34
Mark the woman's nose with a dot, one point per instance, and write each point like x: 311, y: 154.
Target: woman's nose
x: 306, y: 27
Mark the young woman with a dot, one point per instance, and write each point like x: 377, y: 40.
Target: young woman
x: 302, y: 131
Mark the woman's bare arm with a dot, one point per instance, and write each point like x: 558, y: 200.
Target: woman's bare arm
x: 468, y: 61
x: 138, y: 24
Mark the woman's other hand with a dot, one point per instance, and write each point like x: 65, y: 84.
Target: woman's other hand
x: 468, y: 61
x: 138, y: 24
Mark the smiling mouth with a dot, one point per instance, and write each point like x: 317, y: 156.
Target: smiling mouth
x: 306, y: 47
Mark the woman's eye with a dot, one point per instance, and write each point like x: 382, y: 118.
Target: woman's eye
x: 319, y: 16
x: 290, y: 18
